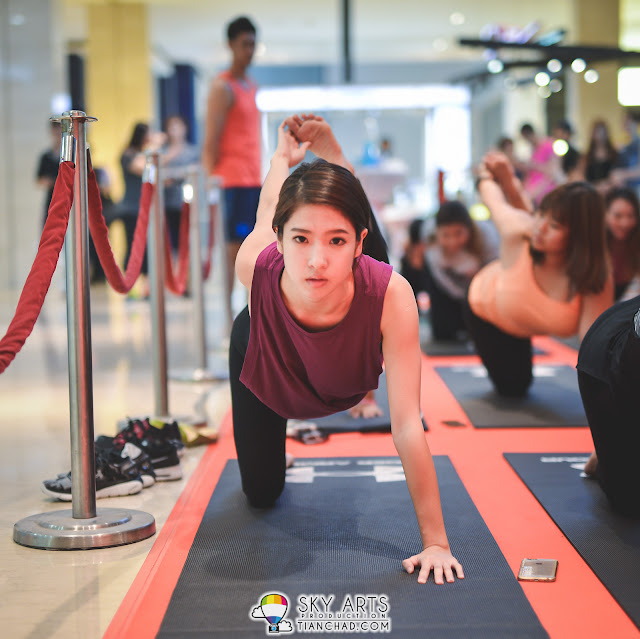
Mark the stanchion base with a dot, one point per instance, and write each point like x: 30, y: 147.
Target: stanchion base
x: 59, y: 530
x: 200, y: 375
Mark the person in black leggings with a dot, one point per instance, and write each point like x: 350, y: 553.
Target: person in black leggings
x: 609, y: 380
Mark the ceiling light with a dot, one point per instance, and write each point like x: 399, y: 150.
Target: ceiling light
x: 456, y: 18
x: 495, y: 66
x: 578, y: 65
x: 544, y: 92
x: 554, y: 65
x: 560, y: 147
x: 542, y: 79
x: 591, y: 76
x: 555, y: 85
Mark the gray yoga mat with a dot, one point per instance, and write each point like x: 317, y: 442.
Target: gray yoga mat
x: 342, y: 422
x: 608, y: 542
x: 341, y: 529
x: 553, y: 399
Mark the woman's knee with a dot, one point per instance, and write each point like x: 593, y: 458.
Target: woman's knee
x: 262, y: 494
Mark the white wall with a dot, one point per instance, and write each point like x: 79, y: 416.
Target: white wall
x: 30, y: 74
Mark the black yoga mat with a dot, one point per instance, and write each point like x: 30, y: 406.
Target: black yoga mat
x: 342, y: 422
x: 341, y: 529
x: 553, y: 398
x: 608, y: 542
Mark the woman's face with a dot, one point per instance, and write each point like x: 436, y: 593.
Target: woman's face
x: 452, y: 238
x: 176, y: 130
x: 319, y: 245
x: 621, y: 218
x: 549, y: 236
x: 600, y: 133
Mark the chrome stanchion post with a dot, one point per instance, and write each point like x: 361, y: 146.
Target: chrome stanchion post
x: 195, y: 250
x: 83, y: 472
x: 81, y: 527
x: 202, y: 372
x: 156, y: 282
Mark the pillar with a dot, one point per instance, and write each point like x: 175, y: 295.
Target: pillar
x: 596, y: 23
x: 118, y: 81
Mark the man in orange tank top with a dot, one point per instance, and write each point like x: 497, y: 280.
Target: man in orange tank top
x: 231, y: 148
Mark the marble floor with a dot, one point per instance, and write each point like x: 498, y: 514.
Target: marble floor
x: 71, y: 594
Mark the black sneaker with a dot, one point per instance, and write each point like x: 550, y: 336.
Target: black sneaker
x: 171, y: 432
x: 155, y: 442
x: 142, y: 461
x: 115, y: 476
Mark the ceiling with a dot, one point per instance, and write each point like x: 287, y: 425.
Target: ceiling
x: 301, y: 32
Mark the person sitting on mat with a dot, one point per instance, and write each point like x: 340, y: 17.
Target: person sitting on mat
x: 609, y: 379
x: 552, y: 277
x: 322, y: 316
x: 458, y: 251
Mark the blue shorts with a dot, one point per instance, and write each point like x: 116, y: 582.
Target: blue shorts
x: 240, y: 205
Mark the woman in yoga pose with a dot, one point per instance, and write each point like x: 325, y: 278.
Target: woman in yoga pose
x: 322, y: 318
x: 552, y: 276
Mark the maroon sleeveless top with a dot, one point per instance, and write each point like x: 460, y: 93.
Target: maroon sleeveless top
x: 302, y: 375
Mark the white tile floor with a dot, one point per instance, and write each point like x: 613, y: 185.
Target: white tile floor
x: 75, y: 593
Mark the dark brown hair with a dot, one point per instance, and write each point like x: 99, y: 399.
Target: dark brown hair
x: 455, y: 212
x: 632, y: 243
x: 580, y: 208
x: 612, y: 154
x: 321, y: 182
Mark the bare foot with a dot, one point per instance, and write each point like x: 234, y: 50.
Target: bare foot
x: 591, y: 465
x: 314, y: 129
x: 367, y: 409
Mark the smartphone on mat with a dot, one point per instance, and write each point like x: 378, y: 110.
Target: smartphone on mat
x: 538, y: 570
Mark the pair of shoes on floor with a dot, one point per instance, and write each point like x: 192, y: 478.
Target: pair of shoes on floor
x: 134, y: 459
x: 163, y: 445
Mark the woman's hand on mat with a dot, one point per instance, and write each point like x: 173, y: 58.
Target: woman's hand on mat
x: 437, y: 558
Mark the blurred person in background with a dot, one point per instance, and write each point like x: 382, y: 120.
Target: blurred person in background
x: 543, y: 169
x: 623, y: 237
x: 177, y: 152
x: 600, y: 158
x: 231, y: 147
x: 48, y: 164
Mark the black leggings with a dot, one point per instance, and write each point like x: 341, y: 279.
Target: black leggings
x: 508, y: 359
x: 259, y: 433
x: 613, y: 413
x: 445, y: 312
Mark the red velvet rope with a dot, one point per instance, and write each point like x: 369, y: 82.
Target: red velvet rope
x: 206, y: 267
x: 122, y: 283
x: 176, y: 280
x: 39, y: 278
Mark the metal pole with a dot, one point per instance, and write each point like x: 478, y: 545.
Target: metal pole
x: 156, y: 281
x: 81, y: 527
x: 83, y: 472
x: 346, y: 39
x: 202, y: 373
x: 195, y: 250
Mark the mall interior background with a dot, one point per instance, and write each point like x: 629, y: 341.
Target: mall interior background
x: 135, y: 61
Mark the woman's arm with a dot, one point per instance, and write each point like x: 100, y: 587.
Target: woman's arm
x: 288, y: 153
x: 502, y: 171
x: 401, y: 351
